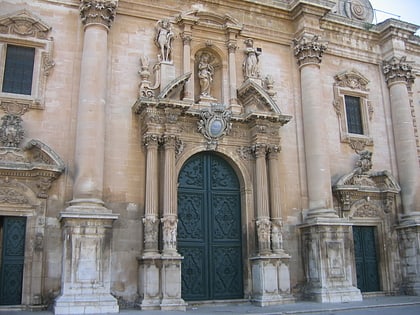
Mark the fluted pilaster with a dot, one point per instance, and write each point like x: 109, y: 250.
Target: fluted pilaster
x: 150, y: 220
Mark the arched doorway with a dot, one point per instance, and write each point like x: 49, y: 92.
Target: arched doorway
x: 209, y: 229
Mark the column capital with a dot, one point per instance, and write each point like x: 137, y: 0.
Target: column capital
x: 308, y: 49
x: 98, y: 12
x: 186, y: 38
x: 231, y: 46
x: 273, y: 150
x: 398, y: 70
x: 151, y: 140
x: 259, y: 150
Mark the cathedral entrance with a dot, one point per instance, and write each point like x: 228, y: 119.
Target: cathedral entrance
x: 12, y: 242
x: 209, y: 229
x: 366, y: 260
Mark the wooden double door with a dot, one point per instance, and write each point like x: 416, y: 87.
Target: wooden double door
x: 12, y: 240
x: 209, y: 229
x: 366, y: 258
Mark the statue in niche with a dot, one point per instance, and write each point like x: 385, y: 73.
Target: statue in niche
x: 205, y: 74
x: 163, y: 39
x: 251, y: 65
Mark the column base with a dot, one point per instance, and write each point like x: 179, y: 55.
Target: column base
x: 322, y: 215
x: 413, y: 218
x: 409, y: 236
x: 86, y: 304
x: 328, y: 255
x: 149, y: 281
x: 171, y: 284
x: 271, y: 280
x: 334, y: 295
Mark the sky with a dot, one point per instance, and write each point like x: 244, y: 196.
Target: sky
x: 405, y: 10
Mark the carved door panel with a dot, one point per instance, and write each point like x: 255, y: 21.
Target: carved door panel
x: 209, y: 229
x: 366, y: 260
x: 12, y: 259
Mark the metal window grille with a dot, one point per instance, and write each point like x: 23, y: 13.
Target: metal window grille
x: 354, y: 115
x: 18, y: 70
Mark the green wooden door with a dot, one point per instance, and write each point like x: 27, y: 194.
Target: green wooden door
x: 12, y: 258
x: 209, y: 229
x: 366, y: 261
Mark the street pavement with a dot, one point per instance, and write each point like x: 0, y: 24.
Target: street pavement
x: 382, y: 305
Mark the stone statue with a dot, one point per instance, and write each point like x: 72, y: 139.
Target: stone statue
x: 205, y: 74
x: 250, y: 66
x: 163, y: 39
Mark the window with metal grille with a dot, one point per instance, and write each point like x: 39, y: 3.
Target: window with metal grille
x: 18, y: 70
x: 354, y: 115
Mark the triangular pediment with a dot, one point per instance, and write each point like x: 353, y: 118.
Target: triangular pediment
x: 372, y: 181
x: 23, y: 23
x: 255, y: 99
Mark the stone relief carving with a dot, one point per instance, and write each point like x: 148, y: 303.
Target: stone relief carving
x: 169, y: 233
x: 398, y: 69
x: 277, y: 235
x: 11, y: 131
x: 214, y: 124
x: 269, y: 85
x: 12, y: 196
x: 98, y: 11
x: 163, y: 39
x: 24, y: 24
x: 263, y: 233
x: 360, y: 10
x: 308, y: 49
x: 151, y: 229
x: 250, y: 66
x: 368, y: 193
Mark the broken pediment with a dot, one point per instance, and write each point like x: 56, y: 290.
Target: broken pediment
x: 362, y: 184
x: 175, y: 87
x: 37, y: 165
x: 257, y: 102
x: 23, y: 23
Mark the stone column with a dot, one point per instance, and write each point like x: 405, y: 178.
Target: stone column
x: 308, y: 51
x: 261, y: 191
x: 151, y: 219
x: 87, y: 224
x: 398, y: 75
x: 327, y: 247
x: 171, y: 260
x: 275, y: 200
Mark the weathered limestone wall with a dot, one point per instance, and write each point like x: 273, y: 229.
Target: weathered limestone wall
x: 132, y: 35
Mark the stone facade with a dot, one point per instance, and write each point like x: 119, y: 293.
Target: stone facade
x: 124, y: 93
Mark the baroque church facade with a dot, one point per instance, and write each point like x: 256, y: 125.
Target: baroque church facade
x: 160, y: 153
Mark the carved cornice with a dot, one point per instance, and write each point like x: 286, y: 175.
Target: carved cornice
x: 309, y: 50
x: 98, y: 12
x: 398, y: 70
x: 24, y: 24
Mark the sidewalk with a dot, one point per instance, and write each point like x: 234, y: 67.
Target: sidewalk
x: 363, y: 307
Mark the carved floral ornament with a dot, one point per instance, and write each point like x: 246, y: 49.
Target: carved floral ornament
x: 98, y: 11
x: 308, y: 49
x: 398, y: 70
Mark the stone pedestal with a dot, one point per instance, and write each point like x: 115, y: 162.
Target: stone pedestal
x: 167, y: 74
x: 171, y: 284
x: 409, y: 236
x: 160, y: 283
x: 271, y: 280
x: 329, y: 262
x: 86, y: 264
x: 149, y: 282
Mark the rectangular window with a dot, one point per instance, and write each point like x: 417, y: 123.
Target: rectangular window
x: 18, y: 70
x: 354, y: 115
